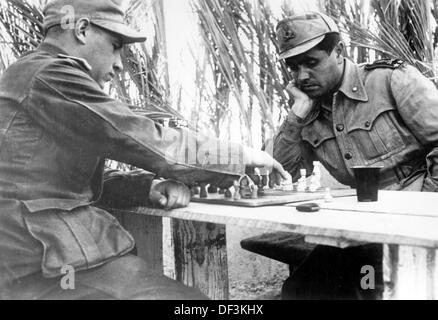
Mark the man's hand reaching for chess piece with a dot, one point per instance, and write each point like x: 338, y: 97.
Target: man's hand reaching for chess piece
x: 169, y: 194
x: 261, y: 159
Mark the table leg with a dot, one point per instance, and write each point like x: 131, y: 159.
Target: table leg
x: 148, y: 234
x: 201, y: 257
x: 410, y: 273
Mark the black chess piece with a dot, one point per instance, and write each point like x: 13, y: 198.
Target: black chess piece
x: 203, y: 193
x: 228, y: 193
x: 212, y: 189
x: 256, y: 179
x: 264, y: 180
x: 196, y: 190
x: 222, y: 191
x: 245, y: 188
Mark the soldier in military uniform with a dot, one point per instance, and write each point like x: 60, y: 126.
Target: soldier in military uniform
x: 57, y: 126
x: 345, y: 115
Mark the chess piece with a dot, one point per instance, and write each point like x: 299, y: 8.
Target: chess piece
x: 287, y: 185
x: 228, y: 193
x: 328, y: 195
x: 245, y: 187
x: 315, y: 179
x: 263, y: 184
x: 264, y: 180
x: 260, y: 190
x: 254, y: 192
x: 196, y: 190
x: 212, y: 189
x: 237, y: 195
x: 302, y: 182
x: 203, y: 193
x: 222, y: 191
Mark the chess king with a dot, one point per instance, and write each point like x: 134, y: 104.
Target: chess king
x: 383, y: 113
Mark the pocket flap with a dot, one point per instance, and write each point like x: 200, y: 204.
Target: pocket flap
x: 366, y: 120
x: 48, y: 204
x: 317, y: 133
x: 82, y: 239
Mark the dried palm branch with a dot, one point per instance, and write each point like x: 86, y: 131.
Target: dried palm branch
x: 239, y: 37
x: 21, y: 24
x: 395, y: 29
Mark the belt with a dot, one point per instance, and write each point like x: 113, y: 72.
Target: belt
x: 402, y: 173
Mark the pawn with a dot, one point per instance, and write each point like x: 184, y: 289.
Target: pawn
x: 328, y: 195
x: 237, y: 195
x: 222, y: 191
x: 203, y: 193
x: 254, y: 192
x: 196, y: 190
x: 260, y: 191
x: 228, y: 193
x: 302, y: 182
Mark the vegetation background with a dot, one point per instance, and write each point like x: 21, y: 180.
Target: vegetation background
x: 212, y: 65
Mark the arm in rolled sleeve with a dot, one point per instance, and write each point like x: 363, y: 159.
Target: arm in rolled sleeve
x: 69, y: 105
x: 290, y: 150
x: 417, y: 103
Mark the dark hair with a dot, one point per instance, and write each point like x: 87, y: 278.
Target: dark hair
x: 329, y: 43
x: 55, y: 31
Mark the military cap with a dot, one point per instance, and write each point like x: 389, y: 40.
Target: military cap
x: 107, y: 14
x: 300, y: 33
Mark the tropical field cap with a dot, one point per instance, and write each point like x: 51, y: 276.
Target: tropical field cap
x: 300, y: 33
x: 107, y: 14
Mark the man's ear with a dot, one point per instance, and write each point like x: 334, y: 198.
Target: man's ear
x: 339, y: 50
x: 81, y: 28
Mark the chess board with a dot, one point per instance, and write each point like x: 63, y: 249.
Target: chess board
x: 272, y: 197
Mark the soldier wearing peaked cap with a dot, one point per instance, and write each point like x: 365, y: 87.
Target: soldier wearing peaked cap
x: 345, y: 115
x: 57, y: 127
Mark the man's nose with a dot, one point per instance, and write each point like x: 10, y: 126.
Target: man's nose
x: 118, y: 65
x: 302, y: 74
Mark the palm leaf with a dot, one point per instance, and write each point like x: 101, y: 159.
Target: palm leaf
x: 22, y: 25
x: 396, y: 29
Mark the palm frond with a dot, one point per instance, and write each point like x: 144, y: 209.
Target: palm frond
x: 22, y: 25
x: 395, y: 29
x: 240, y: 39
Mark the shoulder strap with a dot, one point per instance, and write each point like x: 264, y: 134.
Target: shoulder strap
x: 385, y: 63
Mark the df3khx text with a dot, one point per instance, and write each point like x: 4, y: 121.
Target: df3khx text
x: 221, y: 309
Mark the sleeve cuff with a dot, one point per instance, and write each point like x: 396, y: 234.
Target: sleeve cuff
x: 430, y: 185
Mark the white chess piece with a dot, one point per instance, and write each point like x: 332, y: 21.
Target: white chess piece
x: 287, y: 185
x: 315, y: 180
x: 237, y: 195
x: 302, y: 182
x: 328, y: 195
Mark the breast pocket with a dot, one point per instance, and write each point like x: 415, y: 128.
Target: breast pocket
x: 377, y: 133
x: 322, y: 140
